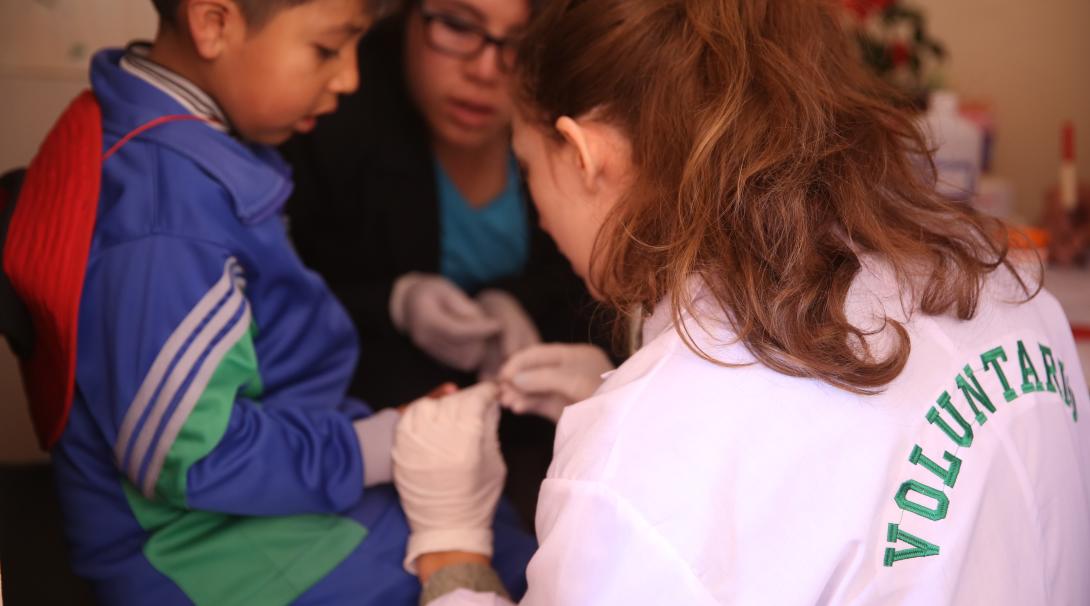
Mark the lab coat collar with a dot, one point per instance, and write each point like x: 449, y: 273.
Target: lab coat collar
x: 662, y: 318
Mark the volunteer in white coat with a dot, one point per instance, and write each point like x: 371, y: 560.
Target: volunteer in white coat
x: 846, y: 392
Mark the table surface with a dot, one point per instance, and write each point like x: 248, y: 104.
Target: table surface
x: 1071, y: 287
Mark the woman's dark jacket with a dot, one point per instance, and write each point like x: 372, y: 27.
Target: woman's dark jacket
x: 365, y: 211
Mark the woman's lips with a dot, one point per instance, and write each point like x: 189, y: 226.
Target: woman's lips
x: 470, y: 114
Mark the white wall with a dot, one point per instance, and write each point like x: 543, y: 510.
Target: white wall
x: 45, y: 47
x: 1032, y: 61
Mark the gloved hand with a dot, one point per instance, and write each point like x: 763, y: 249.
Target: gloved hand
x: 517, y: 330
x: 543, y: 379
x: 441, y: 319
x: 449, y: 472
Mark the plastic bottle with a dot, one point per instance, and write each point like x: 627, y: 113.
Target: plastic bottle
x: 957, y: 143
x: 1069, y: 178
x: 1067, y: 208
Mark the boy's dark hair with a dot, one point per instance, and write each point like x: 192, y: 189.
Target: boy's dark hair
x: 255, y: 11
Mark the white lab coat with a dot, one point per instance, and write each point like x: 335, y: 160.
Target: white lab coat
x: 683, y: 482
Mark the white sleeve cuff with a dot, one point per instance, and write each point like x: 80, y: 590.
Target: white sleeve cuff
x: 376, y: 438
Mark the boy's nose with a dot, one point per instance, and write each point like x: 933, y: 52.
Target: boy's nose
x: 347, y: 79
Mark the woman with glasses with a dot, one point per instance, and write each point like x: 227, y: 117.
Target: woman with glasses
x: 410, y: 204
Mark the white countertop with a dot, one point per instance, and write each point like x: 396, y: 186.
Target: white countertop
x: 1072, y: 288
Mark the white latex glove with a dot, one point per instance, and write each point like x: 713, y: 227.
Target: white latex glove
x: 517, y: 330
x: 449, y: 472
x: 543, y: 379
x: 442, y: 320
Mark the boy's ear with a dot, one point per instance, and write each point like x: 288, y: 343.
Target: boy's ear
x: 213, y: 25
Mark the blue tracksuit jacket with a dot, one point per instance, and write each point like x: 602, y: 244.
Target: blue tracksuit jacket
x: 209, y: 456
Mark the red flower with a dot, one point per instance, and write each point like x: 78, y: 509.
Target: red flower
x: 898, y: 53
x: 863, y: 8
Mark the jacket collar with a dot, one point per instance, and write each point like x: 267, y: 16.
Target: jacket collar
x: 256, y: 179
x: 136, y: 61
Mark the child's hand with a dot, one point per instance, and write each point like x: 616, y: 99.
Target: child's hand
x: 443, y: 390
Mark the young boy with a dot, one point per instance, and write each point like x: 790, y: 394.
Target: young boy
x: 210, y: 455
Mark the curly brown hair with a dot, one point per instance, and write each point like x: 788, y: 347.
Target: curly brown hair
x: 767, y: 160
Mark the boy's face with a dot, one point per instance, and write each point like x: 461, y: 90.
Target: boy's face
x: 275, y: 80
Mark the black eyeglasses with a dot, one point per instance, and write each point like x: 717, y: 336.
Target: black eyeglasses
x: 456, y: 37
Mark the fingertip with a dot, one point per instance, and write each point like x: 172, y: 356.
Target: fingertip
x: 492, y: 327
x: 517, y: 404
x: 520, y: 381
x: 506, y: 371
x: 484, y: 393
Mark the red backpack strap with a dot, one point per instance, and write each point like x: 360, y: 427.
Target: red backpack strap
x: 45, y: 256
x: 47, y: 248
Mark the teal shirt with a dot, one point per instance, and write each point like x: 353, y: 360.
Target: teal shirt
x: 481, y: 245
